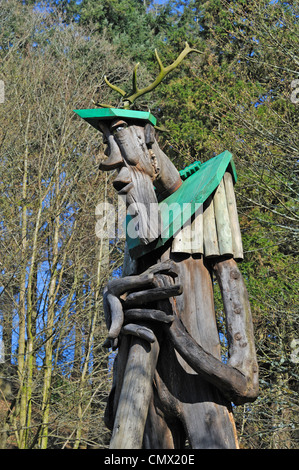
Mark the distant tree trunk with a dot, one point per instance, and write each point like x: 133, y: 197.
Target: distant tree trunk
x: 31, y: 327
x: 50, y: 318
x: 22, y: 403
x: 102, y: 269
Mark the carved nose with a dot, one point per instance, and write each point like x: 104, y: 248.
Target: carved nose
x: 122, y: 180
x: 114, y: 161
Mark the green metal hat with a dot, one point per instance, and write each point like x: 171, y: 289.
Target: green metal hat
x: 93, y: 116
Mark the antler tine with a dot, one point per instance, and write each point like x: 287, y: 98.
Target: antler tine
x: 135, y: 87
x: 166, y: 70
x: 114, y: 87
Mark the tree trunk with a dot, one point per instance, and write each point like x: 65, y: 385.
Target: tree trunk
x: 21, y: 404
x: 50, y: 319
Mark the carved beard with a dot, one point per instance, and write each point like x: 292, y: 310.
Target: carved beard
x: 142, y: 205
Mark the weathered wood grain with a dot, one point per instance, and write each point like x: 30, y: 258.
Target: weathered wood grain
x: 190, y: 238
x: 142, y: 314
x: 210, y: 237
x: 222, y: 221
x: 241, y: 347
x: 135, y: 395
x: 229, y: 380
x: 233, y: 217
x: 167, y: 178
x: 182, y: 242
x: 198, y: 404
x: 197, y: 231
x: 137, y: 298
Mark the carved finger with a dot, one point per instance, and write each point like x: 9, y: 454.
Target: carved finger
x: 117, y: 316
x: 107, y: 343
x: 111, y: 343
x: 107, y: 313
x: 151, y: 295
x: 119, y: 286
x: 138, y: 314
x: 168, y: 267
x: 139, y: 331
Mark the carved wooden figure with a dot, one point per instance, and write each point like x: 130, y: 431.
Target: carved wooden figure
x: 170, y: 384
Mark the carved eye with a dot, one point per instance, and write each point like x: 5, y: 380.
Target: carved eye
x: 118, y: 126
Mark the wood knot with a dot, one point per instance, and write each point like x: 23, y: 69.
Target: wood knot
x: 238, y: 336
x: 237, y: 310
x: 235, y: 274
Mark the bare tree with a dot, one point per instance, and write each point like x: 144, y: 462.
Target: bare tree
x: 52, y: 264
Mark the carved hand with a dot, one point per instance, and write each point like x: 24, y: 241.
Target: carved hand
x: 133, y: 301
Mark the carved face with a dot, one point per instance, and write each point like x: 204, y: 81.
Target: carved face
x: 144, y: 173
x: 135, y: 163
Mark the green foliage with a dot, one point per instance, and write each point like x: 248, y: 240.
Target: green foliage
x: 129, y: 24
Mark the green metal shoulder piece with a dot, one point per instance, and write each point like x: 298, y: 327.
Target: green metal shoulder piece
x: 189, y: 170
x: 177, y: 208
x: 93, y: 116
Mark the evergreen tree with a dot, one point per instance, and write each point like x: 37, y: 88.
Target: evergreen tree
x: 134, y: 26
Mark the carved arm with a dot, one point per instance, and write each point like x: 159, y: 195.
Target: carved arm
x: 240, y: 335
x: 238, y: 379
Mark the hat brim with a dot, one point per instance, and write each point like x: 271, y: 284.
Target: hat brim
x: 93, y: 116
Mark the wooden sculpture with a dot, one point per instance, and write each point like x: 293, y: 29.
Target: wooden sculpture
x: 170, y: 384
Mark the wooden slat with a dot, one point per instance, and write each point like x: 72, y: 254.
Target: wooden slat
x: 190, y: 238
x: 233, y: 216
x: 222, y: 221
x: 182, y: 240
x: 197, y: 231
x: 216, y: 231
x: 210, y: 239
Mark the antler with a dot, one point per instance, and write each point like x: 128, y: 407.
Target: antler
x: 129, y: 98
